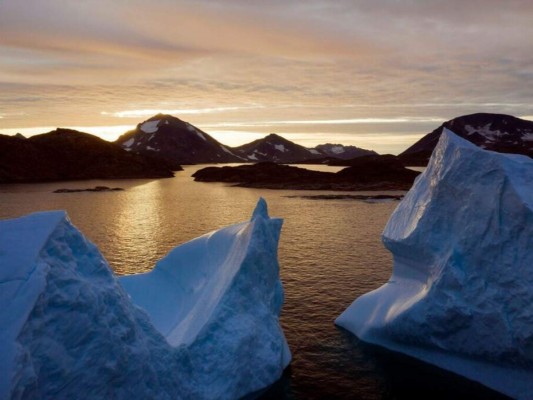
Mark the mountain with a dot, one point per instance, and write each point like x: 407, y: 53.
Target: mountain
x: 176, y: 142
x: 343, y: 152
x: 65, y: 154
x: 274, y: 148
x: 496, y: 132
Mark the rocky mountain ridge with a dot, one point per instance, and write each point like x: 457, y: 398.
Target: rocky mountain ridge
x: 496, y: 132
x: 176, y: 141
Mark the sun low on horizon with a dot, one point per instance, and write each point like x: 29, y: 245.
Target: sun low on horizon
x: 378, y: 75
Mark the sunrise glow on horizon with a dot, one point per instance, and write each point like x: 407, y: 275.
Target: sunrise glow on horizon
x: 372, y: 74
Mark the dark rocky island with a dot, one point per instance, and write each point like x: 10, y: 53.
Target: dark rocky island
x: 370, y: 173
x: 94, y: 189
x: 65, y: 154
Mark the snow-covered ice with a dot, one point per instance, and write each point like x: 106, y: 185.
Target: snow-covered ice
x: 204, y: 324
x: 280, y: 147
x: 203, y: 275
x: 461, y: 292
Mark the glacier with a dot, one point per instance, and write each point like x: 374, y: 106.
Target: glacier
x: 203, y: 324
x: 461, y: 292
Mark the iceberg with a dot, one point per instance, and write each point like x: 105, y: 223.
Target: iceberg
x: 204, y: 324
x: 461, y: 292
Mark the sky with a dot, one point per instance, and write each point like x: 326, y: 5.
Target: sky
x: 376, y: 74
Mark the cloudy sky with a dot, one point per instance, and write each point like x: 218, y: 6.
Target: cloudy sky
x: 377, y: 74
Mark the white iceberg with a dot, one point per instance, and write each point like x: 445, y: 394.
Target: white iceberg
x: 69, y: 329
x: 461, y: 292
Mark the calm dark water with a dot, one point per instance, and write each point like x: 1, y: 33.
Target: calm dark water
x: 330, y: 253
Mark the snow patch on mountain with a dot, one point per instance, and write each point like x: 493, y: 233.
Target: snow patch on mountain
x: 149, y: 126
x: 337, y: 149
x: 201, y: 135
x: 485, y: 131
x: 191, y: 128
x: 128, y: 143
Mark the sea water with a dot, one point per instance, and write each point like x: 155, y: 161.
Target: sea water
x: 330, y: 253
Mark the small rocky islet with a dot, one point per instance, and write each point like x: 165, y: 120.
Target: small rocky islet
x: 94, y: 189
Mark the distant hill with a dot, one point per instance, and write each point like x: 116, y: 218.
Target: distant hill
x: 176, y: 141
x: 496, y: 132
x: 65, y: 154
x: 274, y: 148
x: 343, y: 152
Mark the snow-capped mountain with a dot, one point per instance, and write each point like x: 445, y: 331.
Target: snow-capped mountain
x: 275, y: 148
x: 343, y: 152
x: 496, y: 132
x: 175, y: 141
x: 178, y: 142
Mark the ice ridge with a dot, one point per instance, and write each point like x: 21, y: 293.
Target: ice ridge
x: 69, y: 326
x: 462, y: 285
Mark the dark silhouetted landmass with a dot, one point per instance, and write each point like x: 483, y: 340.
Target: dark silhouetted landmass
x: 178, y: 142
x: 65, y: 154
x: 382, y: 176
x: 359, y: 197
x: 274, y: 148
x: 175, y: 141
x: 495, y: 132
x: 96, y: 189
x: 343, y: 152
